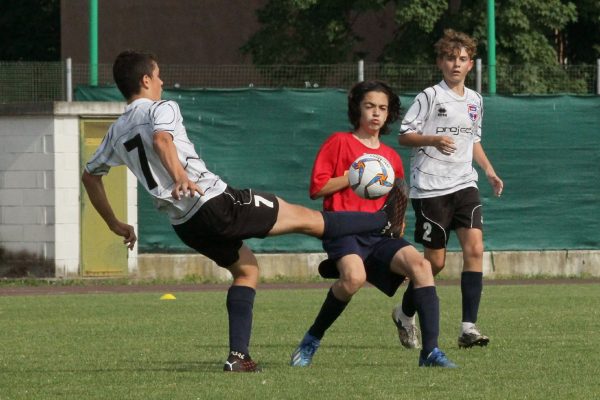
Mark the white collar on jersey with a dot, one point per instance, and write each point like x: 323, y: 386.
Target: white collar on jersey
x: 451, y: 92
x: 137, y: 102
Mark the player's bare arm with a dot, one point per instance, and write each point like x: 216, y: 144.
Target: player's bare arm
x: 481, y: 159
x: 95, y: 189
x: 444, y: 144
x: 165, y: 148
x: 332, y: 186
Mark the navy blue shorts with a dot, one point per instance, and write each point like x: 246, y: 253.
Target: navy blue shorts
x: 376, y: 251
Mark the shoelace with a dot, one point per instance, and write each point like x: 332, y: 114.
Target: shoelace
x: 412, y: 330
x: 473, y: 332
x: 311, y: 347
x: 440, y: 357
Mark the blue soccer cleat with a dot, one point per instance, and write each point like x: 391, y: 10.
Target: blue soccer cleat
x: 302, y: 356
x: 436, y: 358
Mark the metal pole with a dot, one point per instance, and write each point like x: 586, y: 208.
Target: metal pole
x: 491, y: 46
x: 69, y: 79
x: 93, y: 42
x: 598, y: 77
x: 478, y: 75
x: 361, y: 70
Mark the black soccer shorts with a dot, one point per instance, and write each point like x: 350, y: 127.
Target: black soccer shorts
x: 437, y: 216
x: 223, y: 222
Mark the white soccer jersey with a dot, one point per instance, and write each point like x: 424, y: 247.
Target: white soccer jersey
x: 440, y: 111
x: 129, y: 141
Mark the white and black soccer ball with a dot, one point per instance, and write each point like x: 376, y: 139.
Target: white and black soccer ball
x: 371, y: 176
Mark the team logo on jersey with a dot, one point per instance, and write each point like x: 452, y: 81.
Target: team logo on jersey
x: 442, y: 112
x: 473, y: 111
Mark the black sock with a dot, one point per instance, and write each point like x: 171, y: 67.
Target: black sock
x: 240, y: 301
x: 342, y: 223
x: 331, y: 309
x: 428, y: 307
x: 408, y: 303
x: 471, y: 285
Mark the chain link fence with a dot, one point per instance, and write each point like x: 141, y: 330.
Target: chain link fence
x: 22, y: 82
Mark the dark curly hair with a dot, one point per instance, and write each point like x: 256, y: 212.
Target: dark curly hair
x: 129, y: 68
x: 357, y: 94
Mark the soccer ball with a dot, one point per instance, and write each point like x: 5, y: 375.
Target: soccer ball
x: 371, y: 176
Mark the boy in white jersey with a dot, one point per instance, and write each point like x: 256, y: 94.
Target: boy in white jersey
x: 444, y: 128
x: 207, y: 214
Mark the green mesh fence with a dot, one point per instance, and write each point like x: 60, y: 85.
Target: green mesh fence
x: 26, y: 82
x: 546, y: 149
x: 33, y: 82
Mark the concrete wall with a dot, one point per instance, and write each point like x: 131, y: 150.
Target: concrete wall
x: 40, y: 180
x: 496, y: 265
x: 27, y: 181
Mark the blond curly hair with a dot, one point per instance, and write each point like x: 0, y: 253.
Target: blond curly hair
x: 453, y: 41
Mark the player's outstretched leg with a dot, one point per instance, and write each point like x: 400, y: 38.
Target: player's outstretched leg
x: 293, y: 218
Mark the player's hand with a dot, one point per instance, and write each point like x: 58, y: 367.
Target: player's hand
x: 126, y: 231
x: 185, y: 188
x: 445, y: 145
x: 496, y: 184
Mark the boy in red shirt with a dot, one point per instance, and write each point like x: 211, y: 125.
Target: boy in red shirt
x: 372, y: 107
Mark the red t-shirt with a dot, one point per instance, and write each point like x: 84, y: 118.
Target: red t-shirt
x: 334, y: 158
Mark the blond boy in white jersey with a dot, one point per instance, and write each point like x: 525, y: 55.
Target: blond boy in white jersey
x: 443, y: 126
x: 207, y: 214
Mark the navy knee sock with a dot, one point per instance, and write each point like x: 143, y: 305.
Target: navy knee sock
x: 408, y: 303
x: 342, y: 223
x: 331, y: 309
x: 471, y: 285
x: 240, y: 302
x: 427, y: 304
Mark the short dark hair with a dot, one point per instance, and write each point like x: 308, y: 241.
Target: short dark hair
x: 357, y: 94
x: 129, y: 68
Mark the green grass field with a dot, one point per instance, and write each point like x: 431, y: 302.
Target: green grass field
x: 545, y: 342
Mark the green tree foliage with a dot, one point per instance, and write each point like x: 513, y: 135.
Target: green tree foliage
x: 528, y: 30
x: 30, y: 30
x: 307, y: 31
x: 529, y: 33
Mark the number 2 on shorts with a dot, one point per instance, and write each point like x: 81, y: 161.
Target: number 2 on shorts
x: 427, y: 231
